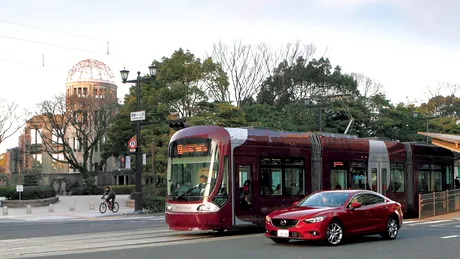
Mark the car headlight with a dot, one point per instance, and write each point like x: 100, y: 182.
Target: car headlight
x: 204, y: 207
x: 268, y: 219
x: 315, y: 219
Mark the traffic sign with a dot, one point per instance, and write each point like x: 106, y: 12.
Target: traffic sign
x: 132, y: 143
x: 138, y: 116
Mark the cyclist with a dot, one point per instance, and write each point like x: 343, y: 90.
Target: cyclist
x: 110, y: 196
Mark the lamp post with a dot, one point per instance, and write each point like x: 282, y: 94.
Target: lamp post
x: 138, y: 193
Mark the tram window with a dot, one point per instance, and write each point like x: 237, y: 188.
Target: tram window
x: 271, y: 181
x: 449, y: 176
x: 424, y: 181
x: 437, y: 180
x: 397, y: 177
x: 294, y: 181
x: 374, y: 179
x: 359, y: 178
x: 338, y: 179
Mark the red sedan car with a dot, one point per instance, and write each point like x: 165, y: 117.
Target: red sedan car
x: 331, y: 215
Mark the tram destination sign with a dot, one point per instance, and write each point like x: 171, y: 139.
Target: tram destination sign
x: 191, y: 148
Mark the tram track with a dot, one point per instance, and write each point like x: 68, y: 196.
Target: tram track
x: 116, y: 240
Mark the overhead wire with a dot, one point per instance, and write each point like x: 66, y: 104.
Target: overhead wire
x: 51, y: 30
x: 50, y: 44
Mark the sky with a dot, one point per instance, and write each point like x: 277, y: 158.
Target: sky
x: 407, y: 45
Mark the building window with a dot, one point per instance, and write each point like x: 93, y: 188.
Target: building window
x: 282, y: 176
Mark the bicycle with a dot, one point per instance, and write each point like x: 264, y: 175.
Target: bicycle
x: 105, y: 204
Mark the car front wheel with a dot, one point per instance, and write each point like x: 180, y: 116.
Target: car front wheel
x: 391, y: 230
x: 334, y: 233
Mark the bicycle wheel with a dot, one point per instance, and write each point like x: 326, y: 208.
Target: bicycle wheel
x: 103, y: 207
x: 115, y: 207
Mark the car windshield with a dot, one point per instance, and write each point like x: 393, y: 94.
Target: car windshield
x: 324, y: 199
x: 192, y: 169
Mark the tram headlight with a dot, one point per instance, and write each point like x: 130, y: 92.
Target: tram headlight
x: 204, y: 207
x: 168, y: 206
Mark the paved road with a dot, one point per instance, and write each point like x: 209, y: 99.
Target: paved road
x: 147, y: 238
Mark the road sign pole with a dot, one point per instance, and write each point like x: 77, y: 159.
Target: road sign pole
x: 138, y: 197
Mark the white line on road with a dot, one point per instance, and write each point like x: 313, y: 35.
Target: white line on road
x: 452, y: 236
x: 428, y: 222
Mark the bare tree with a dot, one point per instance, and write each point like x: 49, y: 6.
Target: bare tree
x: 367, y: 86
x: 249, y: 65
x: 10, y: 119
x: 73, y: 127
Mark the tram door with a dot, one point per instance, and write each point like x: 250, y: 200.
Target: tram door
x: 244, y: 167
x: 379, y: 177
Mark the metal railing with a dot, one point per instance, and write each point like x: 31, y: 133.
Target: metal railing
x: 438, y: 203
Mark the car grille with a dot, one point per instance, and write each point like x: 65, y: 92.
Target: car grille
x: 287, y: 223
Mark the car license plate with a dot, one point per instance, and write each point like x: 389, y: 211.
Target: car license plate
x: 283, y: 233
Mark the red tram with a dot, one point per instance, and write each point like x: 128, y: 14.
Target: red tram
x: 223, y: 178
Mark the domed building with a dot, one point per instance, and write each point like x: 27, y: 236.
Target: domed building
x: 91, y: 77
x: 90, y: 84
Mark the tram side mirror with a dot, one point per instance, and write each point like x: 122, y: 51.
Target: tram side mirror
x: 355, y: 205
x: 294, y: 203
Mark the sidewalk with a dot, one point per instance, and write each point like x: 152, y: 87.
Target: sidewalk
x: 62, y: 209
x: 453, y: 215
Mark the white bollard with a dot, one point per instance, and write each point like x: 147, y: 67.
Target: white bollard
x: 51, y: 208
x: 91, y: 206
x: 29, y: 209
x: 5, y: 210
x: 72, y: 206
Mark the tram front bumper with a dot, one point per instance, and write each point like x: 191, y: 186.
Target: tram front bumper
x: 193, y: 221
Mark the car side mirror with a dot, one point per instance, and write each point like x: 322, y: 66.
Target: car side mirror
x: 355, y: 205
x: 294, y: 203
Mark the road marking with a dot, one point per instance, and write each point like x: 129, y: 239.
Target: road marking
x: 446, y: 237
x: 429, y: 222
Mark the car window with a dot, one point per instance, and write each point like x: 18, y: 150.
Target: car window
x: 358, y: 198
x: 372, y: 199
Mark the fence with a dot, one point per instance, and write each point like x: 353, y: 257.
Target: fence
x: 438, y: 203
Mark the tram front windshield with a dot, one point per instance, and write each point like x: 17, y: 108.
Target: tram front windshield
x: 192, y: 169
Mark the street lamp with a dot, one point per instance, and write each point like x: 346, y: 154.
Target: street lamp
x: 138, y: 193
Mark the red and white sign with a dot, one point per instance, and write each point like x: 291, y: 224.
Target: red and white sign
x: 132, y: 143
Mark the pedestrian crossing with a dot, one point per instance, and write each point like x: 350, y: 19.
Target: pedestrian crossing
x: 451, y: 223
x: 100, y: 242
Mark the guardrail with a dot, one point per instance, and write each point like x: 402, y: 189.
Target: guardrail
x: 438, y: 203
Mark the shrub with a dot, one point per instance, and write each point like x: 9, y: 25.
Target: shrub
x: 29, y: 193
x: 154, y: 204
x: 123, y: 189
x: 77, y: 191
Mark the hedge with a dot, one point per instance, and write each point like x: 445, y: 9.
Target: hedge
x: 99, y: 190
x: 29, y: 193
x: 154, y: 204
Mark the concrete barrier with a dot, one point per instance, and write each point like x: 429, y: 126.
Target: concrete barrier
x: 33, y: 203
x: 5, y: 210
x: 130, y: 203
x: 29, y: 209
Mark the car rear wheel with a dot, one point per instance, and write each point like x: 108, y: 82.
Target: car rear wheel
x: 280, y: 240
x: 391, y: 230
x: 334, y: 233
